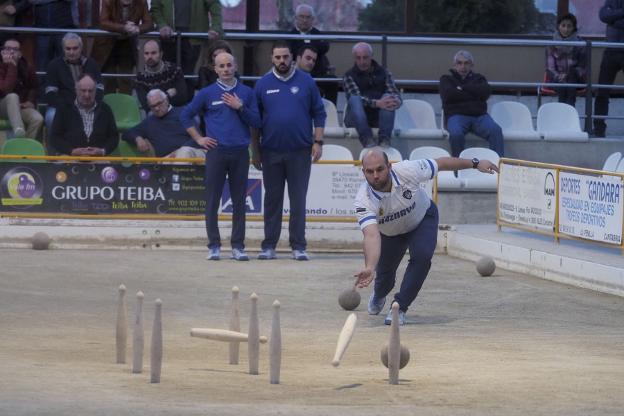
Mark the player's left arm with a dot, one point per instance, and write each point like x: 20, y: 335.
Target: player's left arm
x: 455, y: 163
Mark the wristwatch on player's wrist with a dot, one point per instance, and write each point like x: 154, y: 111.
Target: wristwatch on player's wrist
x: 319, y: 142
x: 475, y: 162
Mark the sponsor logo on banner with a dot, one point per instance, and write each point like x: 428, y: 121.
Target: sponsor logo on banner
x: 21, y: 187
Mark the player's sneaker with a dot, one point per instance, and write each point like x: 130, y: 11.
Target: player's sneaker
x: 267, y: 254
x: 300, y: 255
x: 214, y: 253
x: 239, y: 254
x: 388, y: 320
x: 375, y: 304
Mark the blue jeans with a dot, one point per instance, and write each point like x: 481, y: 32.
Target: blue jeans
x: 483, y: 126
x: 357, y: 116
x: 233, y: 163
x: 277, y: 169
x: 421, y: 243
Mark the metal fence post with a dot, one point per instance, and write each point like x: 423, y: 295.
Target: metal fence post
x: 588, y: 90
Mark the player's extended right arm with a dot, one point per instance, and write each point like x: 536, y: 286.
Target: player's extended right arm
x: 372, y: 251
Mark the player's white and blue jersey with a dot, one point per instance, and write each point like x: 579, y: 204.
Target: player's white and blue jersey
x: 400, y: 210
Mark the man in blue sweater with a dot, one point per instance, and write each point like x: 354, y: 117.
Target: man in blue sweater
x: 161, y: 133
x: 229, y: 110
x: 289, y: 103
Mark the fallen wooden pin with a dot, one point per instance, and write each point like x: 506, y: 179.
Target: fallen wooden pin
x: 223, y: 335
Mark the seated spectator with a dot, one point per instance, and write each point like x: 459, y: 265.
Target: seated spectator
x: 63, y: 72
x: 464, y: 99
x: 566, y: 64
x: 161, y: 133
x: 206, y: 72
x: 306, y: 58
x: 18, y: 89
x: 372, y: 97
x: 118, y: 54
x: 305, y: 18
x: 160, y: 75
x: 229, y: 109
x: 84, y: 127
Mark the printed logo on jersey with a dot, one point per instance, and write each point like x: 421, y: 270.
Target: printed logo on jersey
x: 407, y: 194
x: 360, y: 210
x: 397, y: 215
x: 294, y: 89
x: 381, y: 211
x: 272, y: 91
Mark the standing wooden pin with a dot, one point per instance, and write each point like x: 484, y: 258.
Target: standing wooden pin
x: 253, y: 343
x: 394, y: 347
x: 234, y: 326
x: 157, y: 344
x: 138, y: 337
x: 121, y: 332
x: 275, y: 345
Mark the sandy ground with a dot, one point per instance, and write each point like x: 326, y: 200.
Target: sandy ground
x: 508, y: 344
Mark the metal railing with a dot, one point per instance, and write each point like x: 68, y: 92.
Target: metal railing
x: 385, y: 41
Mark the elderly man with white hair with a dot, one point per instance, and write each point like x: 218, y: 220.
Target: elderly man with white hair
x: 372, y: 97
x: 305, y: 18
x: 162, y: 133
x: 464, y: 99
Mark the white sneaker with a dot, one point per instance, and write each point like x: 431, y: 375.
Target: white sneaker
x: 402, y: 320
x: 19, y: 132
x: 214, y: 254
x: 300, y: 255
x: 267, y: 254
x: 375, y: 304
x: 239, y: 254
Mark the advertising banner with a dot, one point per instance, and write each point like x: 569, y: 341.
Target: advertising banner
x: 590, y: 207
x: 526, y: 196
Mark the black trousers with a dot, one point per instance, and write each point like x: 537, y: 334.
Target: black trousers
x: 612, y: 63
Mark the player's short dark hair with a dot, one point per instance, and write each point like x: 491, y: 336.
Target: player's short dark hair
x: 279, y: 44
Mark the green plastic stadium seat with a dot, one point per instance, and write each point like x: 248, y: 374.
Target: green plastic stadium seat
x: 23, y: 146
x: 125, y: 109
x: 125, y: 149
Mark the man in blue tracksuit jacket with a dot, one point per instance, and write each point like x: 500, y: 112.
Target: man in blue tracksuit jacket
x: 229, y: 110
x: 290, y: 106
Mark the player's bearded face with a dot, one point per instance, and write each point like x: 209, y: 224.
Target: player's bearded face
x: 378, y: 177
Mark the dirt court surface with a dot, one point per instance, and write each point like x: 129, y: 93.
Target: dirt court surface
x: 503, y: 345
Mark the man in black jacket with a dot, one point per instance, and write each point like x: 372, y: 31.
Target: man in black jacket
x: 64, y: 71
x: 612, y: 13
x: 464, y: 100
x: 84, y: 127
x: 304, y: 25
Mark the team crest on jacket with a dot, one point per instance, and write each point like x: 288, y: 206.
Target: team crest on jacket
x: 407, y: 194
x: 294, y: 89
